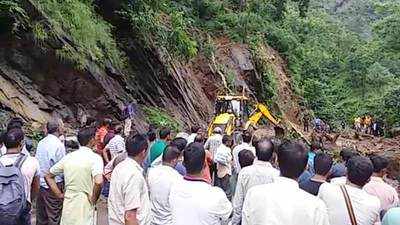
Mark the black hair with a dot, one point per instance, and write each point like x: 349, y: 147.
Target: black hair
x: 180, y: 143
x: 322, y: 163
x: 118, y: 129
x: 247, y: 137
x: 246, y: 158
x: 15, y: 123
x: 106, y: 122
x: 264, y: 150
x: 195, y: 129
x: 199, y: 138
x: 14, y: 138
x: 346, y: 154
x: 359, y: 170
x: 151, y: 135
x: 292, y: 159
x: 226, y: 139
x: 3, y: 137
x: 170, y: 153
x: 379, y: 162
x: 136, y: 144
x: 164, y: 132
x: 85, y: 135
x: 52, y: 127
x: 194, y: 157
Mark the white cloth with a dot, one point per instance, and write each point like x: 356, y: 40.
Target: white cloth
x: 116, y: 145
x: 29, y: 169
x: 223, y: 158
x: 365, y: 206
x: 79, y: 169
x: 213, y: 143
x: 282, y: 203
x: 128, y: 191
x: 258, y: 173
x: 191, y: 138
x: 50, y: 150
x: 339, y: 180
x: 387, y: 195
x: 195, y: 202
x: 160, y: 179
x: 3, y: 150
x: 236, y: 151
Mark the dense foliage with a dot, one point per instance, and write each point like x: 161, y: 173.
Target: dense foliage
x: 344, y: 59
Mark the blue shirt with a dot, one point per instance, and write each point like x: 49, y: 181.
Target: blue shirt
x: 392, y: 217
x: 50, y: 150
x: 180, y: 168
x: 310, y: 163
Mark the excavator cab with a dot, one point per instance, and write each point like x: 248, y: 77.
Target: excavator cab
x: 229, y: 112
x: 232, y: 114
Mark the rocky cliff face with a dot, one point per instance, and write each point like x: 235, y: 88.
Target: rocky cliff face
x: 37, y: 85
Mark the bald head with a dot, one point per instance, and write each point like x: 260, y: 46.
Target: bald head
x: 264, y: 150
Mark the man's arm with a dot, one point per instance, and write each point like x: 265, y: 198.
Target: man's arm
x: 130, y: 217
x: 105, y: 154
x: 57, y: 169
x: 238, y: 201
x: 51, y: 182
x: 98, y: 182
x: 35, y: 187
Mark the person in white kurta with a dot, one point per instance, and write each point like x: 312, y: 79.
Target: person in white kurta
x: 283, y: 202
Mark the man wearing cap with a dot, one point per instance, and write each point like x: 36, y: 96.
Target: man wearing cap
x: 211, y: 145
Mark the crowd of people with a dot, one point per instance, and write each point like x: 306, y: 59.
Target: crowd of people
x: 159, y: 178
x: 367, y: 124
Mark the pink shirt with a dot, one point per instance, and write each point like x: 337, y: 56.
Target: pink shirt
x: 387, y: 194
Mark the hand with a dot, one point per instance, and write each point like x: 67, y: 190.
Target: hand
x: 92, y: 201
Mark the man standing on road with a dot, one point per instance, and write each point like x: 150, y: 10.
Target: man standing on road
x: 160, y: 179
x: 128, y: 202
x: 261, y: 172
x: 50, y: 150
x: 193, y: 201
x: 349, y: 203
x: 83, y: 176
x: 283, y: 202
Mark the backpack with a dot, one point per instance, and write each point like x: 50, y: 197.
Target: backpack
x: 13, y: 200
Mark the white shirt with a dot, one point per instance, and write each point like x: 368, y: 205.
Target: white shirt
x: 236, y: 151
x: 339, y: 180
x: 128, y: 191
x: 29, y: 169
x: 282, y: 203
x: 259, y: 173
x: 223, y: 158
x: 195, y: 202
x: 387, y: 195
x: 213, y: 143
x: 191, y: 138
x: 116, y: 145
x: 50, y: 150
x: 3, y: 150
x: 365, y: 206
x: 160, y: 179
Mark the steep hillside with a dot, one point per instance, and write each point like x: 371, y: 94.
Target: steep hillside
x: 44, y: 72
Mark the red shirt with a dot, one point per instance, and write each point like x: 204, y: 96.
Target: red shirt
x: 99, y: 138
x: 206, y: 170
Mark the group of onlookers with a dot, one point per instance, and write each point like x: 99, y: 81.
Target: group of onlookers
x: 163, y: 179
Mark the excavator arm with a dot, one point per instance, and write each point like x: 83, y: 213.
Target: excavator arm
x: 261, y: 110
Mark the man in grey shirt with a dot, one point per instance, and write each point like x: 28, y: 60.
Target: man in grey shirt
x: 50, y: 150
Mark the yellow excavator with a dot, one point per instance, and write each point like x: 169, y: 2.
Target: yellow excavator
x: 232, y: 113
